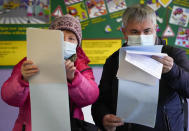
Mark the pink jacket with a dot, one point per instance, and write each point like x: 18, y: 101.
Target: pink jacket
x: 83, y: 91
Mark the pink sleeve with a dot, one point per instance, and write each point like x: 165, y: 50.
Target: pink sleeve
x: 15, y: 91
x: 83, y: 90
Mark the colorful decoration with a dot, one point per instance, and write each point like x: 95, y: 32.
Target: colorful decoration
x: 168, y: 32
x: 165, y: 3
x: 179, y: 16
x: 57, y: 12
x: 96, y: 8
x: 182, y: 38
x: 115, y: 5
x: 108, y: 28
x: 78, y: 10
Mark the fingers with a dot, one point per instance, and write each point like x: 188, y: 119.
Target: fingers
x: 28, y: 69
x: 111, y: 121
x: 69, y: 65
x: 166, y: 61
x: 70, y: 69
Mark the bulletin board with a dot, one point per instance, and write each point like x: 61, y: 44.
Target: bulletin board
x: 100, y: 20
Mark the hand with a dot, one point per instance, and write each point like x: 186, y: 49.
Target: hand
x: 110, y: 122
x: 70, y: 69
x: 28, y: 69
x: 167, y: 62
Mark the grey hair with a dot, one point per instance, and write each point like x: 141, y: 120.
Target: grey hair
x: 138, y: 13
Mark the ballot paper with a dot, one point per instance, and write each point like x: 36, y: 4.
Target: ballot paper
x: 138, y: 86
x: 48, y: 88
x: 140, y: 67
x: 144, y: 61
x: 137, y: 103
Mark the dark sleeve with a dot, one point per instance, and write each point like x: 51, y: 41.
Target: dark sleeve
x: 105, y: 103
x: 178, y: 76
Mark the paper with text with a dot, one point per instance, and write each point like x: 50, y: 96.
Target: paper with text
x: 48, y: 89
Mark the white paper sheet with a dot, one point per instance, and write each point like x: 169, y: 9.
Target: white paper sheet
x: 48, y: 89
x: 144, y: 61
x: 138, y: 90
x: 127, y: 71
x: 137, y: 103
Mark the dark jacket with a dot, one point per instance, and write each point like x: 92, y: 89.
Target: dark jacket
x: 173, y: 84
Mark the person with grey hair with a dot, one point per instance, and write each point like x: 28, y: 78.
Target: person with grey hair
x: 139, y: 21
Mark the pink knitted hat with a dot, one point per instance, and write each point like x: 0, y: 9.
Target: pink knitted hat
x: 68, y: 22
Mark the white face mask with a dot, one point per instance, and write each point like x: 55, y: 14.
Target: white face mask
x: 135, y: 40
x: 70, y: 49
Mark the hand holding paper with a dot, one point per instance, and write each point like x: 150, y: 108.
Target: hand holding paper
x: 70, y: 69
x: 166, y: 61
x: 144, y: 61
x: 28, y: 69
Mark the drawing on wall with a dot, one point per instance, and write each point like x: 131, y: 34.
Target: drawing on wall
x: 165, y: 3
x: 115, y: 5
x: 69, y: 2
x: 179, y: 16
x: 154, y: 4
x: 96, y: 8
x: 24, y: 12
x: 182, y: 38
x: 78, y: 11
x: 57, y: 12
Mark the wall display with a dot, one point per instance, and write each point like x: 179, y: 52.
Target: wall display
x: 168, y: 32
x: 57, y: 12
x: 78, y: 10
x: 165, y: 3
x: 68, y: 2
x: 24, y: 12
x: 96, y: 8
x: 99, y: 50
x: 182, y: 38
x: 100, y: 19
x: 179, y: 16
x: 12, y: 52
x: 115, y: 5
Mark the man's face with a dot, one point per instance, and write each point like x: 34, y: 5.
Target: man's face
x: 146, y: 27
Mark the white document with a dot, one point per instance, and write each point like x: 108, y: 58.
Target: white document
x: 48, y: 89
x: 138, y: 87
x: 137, y: 103
x: 144, y: 61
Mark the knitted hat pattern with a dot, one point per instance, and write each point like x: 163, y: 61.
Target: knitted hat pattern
x: 68, y: 22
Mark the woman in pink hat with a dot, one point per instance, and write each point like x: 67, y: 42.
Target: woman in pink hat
x: 82, y: 88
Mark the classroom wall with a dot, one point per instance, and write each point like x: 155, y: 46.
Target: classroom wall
x: 8, y: 114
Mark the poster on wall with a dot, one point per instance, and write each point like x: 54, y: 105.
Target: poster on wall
x: 24, y: 12
x: 11, y: 52
x: 99, y: 50
x: 115, y: 5
x: 78, y: 10
x: 96, y: 8
x: 155, y: 5
x: 182, y: 38
x: 179, y: 16
x: 68, y: 2
x: 15, y: 17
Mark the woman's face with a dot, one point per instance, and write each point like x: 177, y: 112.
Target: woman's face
x: 70, y: 37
